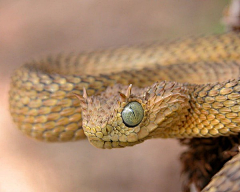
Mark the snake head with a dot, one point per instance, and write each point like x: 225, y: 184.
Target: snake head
x: 117, y: 119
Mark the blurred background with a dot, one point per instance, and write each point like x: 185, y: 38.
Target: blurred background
x: 31, y: 29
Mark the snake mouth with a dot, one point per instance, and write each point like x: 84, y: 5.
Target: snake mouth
x: 99, y: 143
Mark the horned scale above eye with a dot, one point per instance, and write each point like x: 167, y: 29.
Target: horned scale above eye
x: 132, y: 114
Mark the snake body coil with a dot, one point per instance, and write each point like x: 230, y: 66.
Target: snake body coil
x: 43, y: 104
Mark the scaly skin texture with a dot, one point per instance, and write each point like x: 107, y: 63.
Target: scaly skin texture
x: 227, y: 179
x: 46, y: 101
x: 172, y: 110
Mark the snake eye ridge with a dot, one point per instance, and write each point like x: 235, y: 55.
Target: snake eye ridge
x: 132, y: 114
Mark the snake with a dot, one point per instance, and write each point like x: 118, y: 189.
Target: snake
x: 185, y: 89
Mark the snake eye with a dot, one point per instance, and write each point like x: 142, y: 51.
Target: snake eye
x: 132, y: 114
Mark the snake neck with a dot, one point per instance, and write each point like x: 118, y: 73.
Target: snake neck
x: 213, y: 111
